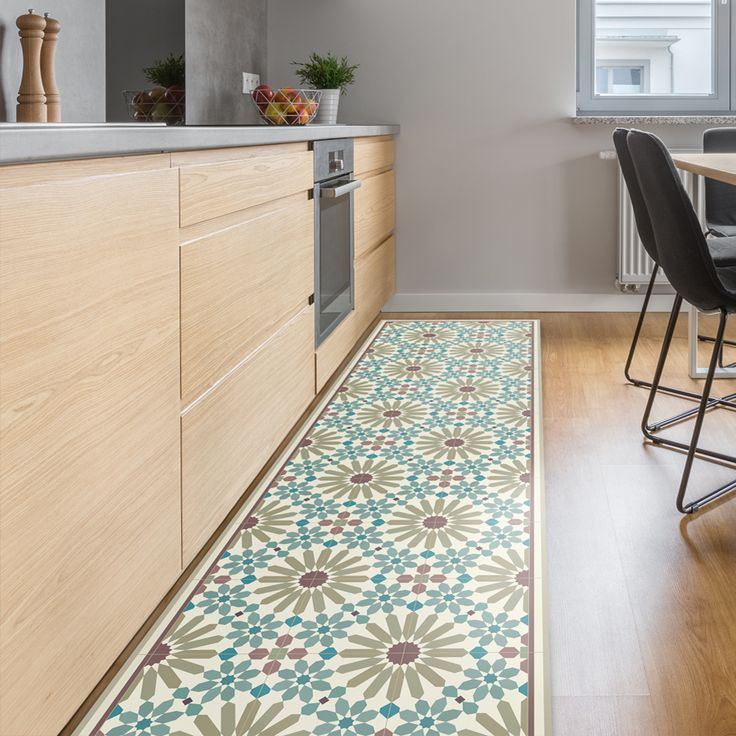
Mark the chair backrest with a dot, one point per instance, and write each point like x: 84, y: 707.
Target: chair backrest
x: 720, y: 198
x: 683, y: 251
x: 641, y: 215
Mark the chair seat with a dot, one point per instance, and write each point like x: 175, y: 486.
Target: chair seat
x: 727, y: 277
x: 722, y: 231
x: 723, y: 251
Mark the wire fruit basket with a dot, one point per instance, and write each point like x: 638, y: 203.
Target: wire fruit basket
x: 286, y: 106
x: 156, y: 105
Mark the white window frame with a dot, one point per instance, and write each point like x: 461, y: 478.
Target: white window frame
x: 722, y: 100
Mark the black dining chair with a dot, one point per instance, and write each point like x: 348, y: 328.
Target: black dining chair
x: 723, y: 251
x: 720, y: 198
x: 687, y: 260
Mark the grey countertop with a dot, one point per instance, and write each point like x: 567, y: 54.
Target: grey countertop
x: 27, y: 143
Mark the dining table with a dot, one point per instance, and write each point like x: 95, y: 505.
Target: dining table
x: 720, y: 167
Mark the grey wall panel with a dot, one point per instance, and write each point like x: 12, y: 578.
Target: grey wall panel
x: 224, y: 39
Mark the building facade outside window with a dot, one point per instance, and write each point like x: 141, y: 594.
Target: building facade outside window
x: 648, y: 56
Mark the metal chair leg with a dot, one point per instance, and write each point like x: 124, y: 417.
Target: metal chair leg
x: 647, y: 428
x: 694, y: 506
x: 724, y: 401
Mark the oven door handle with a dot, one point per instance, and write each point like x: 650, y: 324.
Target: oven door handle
x: 340, y: 190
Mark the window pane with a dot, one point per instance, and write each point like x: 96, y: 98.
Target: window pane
x: 654, y: 47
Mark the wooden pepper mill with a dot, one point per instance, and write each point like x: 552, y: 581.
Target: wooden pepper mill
x: 31, y: 106
x: 48, y: 73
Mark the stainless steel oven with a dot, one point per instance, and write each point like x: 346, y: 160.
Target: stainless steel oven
x: 333, y: 200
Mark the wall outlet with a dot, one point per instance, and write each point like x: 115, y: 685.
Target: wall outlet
x: 250, y: 82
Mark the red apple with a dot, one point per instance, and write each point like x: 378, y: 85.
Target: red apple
x: 286, y: 95
x: 263, y: 96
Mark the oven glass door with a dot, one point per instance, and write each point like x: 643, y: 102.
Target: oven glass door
x: 335, y: 259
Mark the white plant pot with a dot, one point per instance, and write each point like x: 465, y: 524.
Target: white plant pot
x: 327, y: 111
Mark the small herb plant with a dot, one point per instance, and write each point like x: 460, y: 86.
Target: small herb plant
x: 168, y: 72
x: 326, y: 72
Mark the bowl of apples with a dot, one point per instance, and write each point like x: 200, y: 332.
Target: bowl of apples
x: 156, y: 105
x: 286, y: 106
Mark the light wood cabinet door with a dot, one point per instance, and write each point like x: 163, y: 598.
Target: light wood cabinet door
x: 375, y: 212
x: 374, y: 286
x: 229, y: 435
x: 239, y: 284
x: 210, y: 190
x: 89, y: 427
x: 372, y: 154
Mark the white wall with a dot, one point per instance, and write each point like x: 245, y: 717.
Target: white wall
x: 80, y: 58
x: 502, y: 202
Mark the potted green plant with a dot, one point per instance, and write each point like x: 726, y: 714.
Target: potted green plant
x: 330, y: 75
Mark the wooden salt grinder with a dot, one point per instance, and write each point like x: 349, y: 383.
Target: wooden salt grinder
x: 31, y: 106
x: 48, y: 73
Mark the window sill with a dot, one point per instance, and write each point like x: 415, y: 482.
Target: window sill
x: 583, y: 119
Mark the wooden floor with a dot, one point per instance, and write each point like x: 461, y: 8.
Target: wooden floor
x: 641, y: 601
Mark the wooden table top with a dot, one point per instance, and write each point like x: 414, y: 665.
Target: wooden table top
x: 719, y: 166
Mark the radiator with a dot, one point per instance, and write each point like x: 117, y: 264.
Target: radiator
x: 634, y: 265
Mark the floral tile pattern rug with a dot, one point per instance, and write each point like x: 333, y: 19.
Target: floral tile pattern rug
x: 387, y: 581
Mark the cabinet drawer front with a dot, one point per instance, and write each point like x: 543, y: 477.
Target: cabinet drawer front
x: 375, y: 282
x: 374, y: 286
x: 375, y: 212
x: 229, y: 435
x: 215, y: 189
x: 373, y: 153
x: 239, y: 285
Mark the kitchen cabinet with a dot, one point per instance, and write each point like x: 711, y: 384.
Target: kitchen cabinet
x: 375, y: 252
x: 241, y: 280
x: 229, y: 434
x: 157, y: 344
x: 89, y: 424
x: 247, y: 332
x: 218, y: 183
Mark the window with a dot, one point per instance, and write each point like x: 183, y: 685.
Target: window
x: 649, y: 56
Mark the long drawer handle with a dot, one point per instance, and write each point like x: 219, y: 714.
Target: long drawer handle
x: 334, y: 192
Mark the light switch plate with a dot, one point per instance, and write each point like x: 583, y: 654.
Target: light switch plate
x: 250, y: 82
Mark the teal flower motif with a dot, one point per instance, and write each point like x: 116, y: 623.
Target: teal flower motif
x: 253, y: 629
x: 306, y: 681
x: 224, y: 682
x: 346, y: 720
x: 456, y: 561
x: 384, y: 598
x: 304, y: 537
x: 426, y: 720
x: 362, y: 537
x: 490, y: 679
x: 452, y: 598
x: 148, y: 720
x: 506, y: 536
x: 495, y: 629
x: 224, y: 599
x: 396, y: 561
x: 505, y: 508
x: 321, y: 507
x: 247, y: 562
x: 324, y: 629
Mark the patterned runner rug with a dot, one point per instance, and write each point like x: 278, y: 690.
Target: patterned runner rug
x: 387, y: 578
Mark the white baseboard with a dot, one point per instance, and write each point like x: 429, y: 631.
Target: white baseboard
x: 525, y: 303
